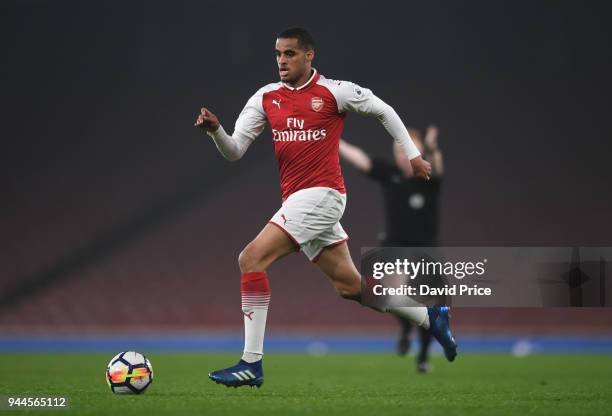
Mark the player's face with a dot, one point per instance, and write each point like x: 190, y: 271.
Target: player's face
x: 293, y: 61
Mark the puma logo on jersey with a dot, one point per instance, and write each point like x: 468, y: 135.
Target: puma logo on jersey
x: 284, y: 219
x: 277, y: 103
x: 248, y: 315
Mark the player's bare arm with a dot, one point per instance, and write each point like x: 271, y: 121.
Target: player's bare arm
x: 355, y: 156
x: 432, y: 151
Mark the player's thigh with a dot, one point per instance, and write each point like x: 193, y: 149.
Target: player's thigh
x: 338, y: 266
x: 269, y: 245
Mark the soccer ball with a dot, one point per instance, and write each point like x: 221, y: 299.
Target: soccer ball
x: 129, y: 372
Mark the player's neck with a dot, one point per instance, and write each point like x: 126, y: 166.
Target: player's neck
x: 302, y: 80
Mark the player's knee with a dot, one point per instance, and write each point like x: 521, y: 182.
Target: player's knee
x: 245, y: 259
x: 348, y: 292
x: 248, y: 260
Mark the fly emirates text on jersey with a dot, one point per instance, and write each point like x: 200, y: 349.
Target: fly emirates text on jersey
x: 295, y: 132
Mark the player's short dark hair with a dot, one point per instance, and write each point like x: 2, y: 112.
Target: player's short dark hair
x: 304, y: 38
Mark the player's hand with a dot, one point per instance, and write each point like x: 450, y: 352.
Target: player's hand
x: 421, y: 168
x: 207, y: 120
x: 431, y: 139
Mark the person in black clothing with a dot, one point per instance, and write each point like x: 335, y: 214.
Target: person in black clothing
x: 411, y: 208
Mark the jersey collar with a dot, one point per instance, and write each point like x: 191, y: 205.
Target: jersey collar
x: 311, y: 80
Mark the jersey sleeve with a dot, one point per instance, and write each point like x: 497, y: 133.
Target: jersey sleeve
x: 252, y: 119
x: 249, y: 125
x: 380, y: 170
x: 353, y: 98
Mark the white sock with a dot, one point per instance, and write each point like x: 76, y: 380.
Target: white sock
x: 416, y: 314
x: 255, y: 290
x: 251, y: 357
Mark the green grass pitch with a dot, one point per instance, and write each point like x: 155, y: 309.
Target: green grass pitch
x: 336, y: 384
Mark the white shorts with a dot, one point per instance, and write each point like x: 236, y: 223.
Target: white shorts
x: 311, y: 218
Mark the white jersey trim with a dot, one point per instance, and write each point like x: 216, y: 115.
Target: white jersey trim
x: 314, y: 73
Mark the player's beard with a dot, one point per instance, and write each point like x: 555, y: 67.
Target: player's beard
x: 294, y: 75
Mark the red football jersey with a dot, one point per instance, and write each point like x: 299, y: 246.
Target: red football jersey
x: 306, y: 125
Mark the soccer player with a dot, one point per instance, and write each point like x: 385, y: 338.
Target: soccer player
x: 306, y: 113
x: 411, y: 210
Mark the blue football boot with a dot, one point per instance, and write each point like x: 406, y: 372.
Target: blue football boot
x: 242, y: 374
x: 440, y: 328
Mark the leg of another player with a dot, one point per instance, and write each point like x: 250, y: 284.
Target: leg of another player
x: 423, y: 356
x: 403, y: 342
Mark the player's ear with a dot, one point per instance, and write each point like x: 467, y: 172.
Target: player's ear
x: 310, y: 55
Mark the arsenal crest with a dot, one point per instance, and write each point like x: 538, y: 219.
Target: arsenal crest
x: 317, y: 103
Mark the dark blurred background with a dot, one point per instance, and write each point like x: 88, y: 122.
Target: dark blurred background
x: 118, y: 214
